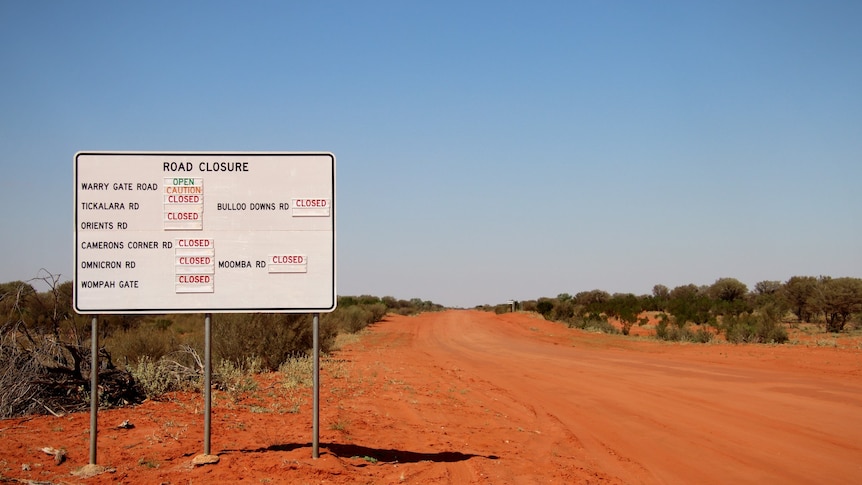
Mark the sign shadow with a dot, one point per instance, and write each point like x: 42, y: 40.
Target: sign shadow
x: 384, y: 455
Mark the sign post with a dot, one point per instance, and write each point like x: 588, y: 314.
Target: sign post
x: 208, y: 383
x: 315, y: 420
x: 94, y: 386
x: 203, y: 232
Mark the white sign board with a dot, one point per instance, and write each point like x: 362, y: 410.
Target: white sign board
x: 193, y: 232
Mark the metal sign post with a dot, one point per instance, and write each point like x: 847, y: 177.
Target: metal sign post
x: 315, y: 445
x: 94, y: 386
x: 208, y: 388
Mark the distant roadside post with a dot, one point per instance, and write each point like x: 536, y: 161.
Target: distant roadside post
x: 204, y: 232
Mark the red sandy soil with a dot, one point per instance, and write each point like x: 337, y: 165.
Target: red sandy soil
x: 471, y: 397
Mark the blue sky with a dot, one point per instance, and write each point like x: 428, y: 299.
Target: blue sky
x: 486, y: 150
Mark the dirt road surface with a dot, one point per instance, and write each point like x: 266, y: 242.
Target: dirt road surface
x: 472, y: 397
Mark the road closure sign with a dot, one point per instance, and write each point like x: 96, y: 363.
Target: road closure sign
x: 194, y: 232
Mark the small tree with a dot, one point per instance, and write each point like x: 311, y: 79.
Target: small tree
x: 728, y: 289
x: 799, y: 292
x: 729, y: 295
x: 660, y: 296
x: 689, y: 304
x: 625, y: 308
x: 767, y: 287
x: 563, y: 310
x: 837, y: 299
x: 592, y: 301
x: 544, y: 306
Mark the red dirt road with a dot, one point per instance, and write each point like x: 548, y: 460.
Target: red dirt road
x: 471, y: 397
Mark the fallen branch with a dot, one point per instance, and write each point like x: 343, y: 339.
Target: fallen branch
x: 47, y: 408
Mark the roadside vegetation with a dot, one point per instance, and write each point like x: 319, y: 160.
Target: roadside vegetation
x: 45, y: 347
x: 726, y: 309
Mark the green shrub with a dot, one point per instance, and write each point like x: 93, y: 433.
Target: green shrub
x: 544, y: 306
x: 271, y: 338
x: 671, y: 333
x: 684, y: 333
x: 237, y: 378
x: 529, y: 306
x: 401, y: 307
x: 592, y: 322
x: 501, y: 309
x: 297, y: 372
x: 145, y: 341
x: 158, y: 377
x: 563, y: 311
x: 378, y: 311
x: 702, y: 335
x: 753, y: 328
x: 602, y: 326
x: 350, y: 319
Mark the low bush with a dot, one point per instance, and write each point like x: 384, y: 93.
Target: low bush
x: 684, y: 333
x: 237, y: 378
x: 702, y: 335
x: 178, y: 371
x: 592, y: 322
x: 44, y: 348
x: 354, y: 318
x: 413, y: 306
x: 272, y: 338
x: 665, y: 331
x: 753, y: 328
x: 529, y: 306
x: 297, y: 372
x: 152, y: 341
